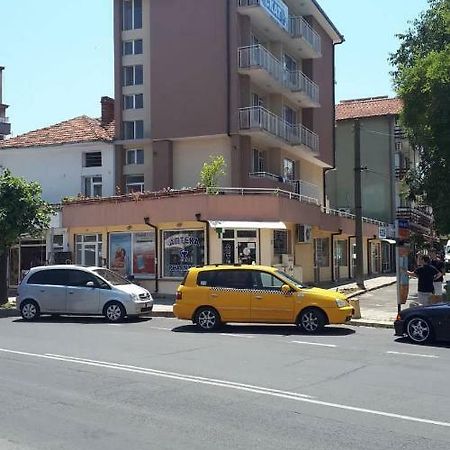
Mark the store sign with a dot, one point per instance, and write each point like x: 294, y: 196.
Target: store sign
x: 382, y: 232
x: 403, y: 231
x: 278, y: 10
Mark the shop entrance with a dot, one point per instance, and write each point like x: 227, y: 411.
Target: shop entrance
x: 240, y: 247
x: 29, y: 253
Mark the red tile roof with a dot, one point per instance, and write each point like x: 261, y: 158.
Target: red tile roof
x: 368, y: 107
x: 79, y: 129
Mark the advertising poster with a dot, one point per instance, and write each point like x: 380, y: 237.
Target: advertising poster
x: 144, y: 253
x: 120, y: 253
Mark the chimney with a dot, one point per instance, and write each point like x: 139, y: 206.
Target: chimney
x: 107, y: 110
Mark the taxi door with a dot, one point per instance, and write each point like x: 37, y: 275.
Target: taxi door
x: 269, y: 303
x: 231, y: 294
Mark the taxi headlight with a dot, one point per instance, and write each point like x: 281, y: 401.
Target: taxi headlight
x: 341, y: 303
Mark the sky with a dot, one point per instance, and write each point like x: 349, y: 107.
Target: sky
x: 59, y: 54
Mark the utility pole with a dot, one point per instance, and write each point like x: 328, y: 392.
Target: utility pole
x: 359, y: 266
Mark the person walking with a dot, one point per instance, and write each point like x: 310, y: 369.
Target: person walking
x: 426, y: 275
x: 438, y: 264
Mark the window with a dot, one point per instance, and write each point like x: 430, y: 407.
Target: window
x: 133, y: 129
x: 341, y: 253
x: 290, y: 64
x: 92, y: 159
x: 93, y: 186
x: 264, y: 280
x: 133, y: 101
x: 134, y: 183
x: 398, y: 146
x: 322, y: 252
x: 290, y: 116
x: 259, y: 161
x: 79, y: 278
x: 89, y: 249
x: 281, y: 242
x: 132, y: 14
x: 206, y: 278
x: 49, y: 277
x: 135, y: 156
x: 257, y: 100
x: 182, y: 249
x: 58, y: 241
x: 133, y: 75
x: 132, y: 47
x: 288, y: 169
x: 233, y: 279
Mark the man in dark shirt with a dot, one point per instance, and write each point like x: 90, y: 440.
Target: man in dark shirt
x: 426, y: 275
x: 440, y: 267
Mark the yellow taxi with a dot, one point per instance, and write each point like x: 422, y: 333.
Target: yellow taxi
x: 213, y: 295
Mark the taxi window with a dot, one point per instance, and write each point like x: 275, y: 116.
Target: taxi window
x: 206, y: 278
x: 234, y: 279
x: 264, y: 280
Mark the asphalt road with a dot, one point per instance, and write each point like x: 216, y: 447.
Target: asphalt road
x: 158, y: 384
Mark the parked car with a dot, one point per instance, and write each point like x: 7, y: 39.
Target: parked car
x: 424, y: 324
x: 213, y: 295
x: 69, y: 289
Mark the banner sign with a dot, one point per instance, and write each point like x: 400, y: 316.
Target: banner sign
x: 278, y: 10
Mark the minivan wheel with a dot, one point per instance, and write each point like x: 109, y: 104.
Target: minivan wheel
x: 419, y: 330
x: 207, y: 319
x: 29, y: 310
x: 114, y: 312
x: 311, y: 320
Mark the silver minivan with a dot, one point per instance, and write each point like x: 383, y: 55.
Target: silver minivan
x: 76, y: 290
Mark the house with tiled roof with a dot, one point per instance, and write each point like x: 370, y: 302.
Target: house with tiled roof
x: 72, y: 158
x: 386, y: 157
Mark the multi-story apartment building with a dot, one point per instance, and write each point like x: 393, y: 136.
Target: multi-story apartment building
x: 386, y: 156
x: 5, y: 126
x: 251, y: 80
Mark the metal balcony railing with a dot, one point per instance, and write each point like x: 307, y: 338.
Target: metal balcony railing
x: 4, y: 119
x: 400, y: 172
x: 257, y: 117
x: 257, y: 56
x: 416, y: 216
x: 299, y: 27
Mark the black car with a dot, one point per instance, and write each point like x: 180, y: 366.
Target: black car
x: 425, y: 323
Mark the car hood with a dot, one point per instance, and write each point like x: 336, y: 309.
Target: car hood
x: 324, y: 293
x: 424, y: 309
x: 131, y: 289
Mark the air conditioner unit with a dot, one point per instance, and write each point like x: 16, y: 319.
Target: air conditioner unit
x: 304, y: 234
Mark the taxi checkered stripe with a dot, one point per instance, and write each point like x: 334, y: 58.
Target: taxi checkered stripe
x: 256, y: 291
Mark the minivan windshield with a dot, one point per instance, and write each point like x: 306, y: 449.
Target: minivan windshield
x: 112, y: 277
x: 290, y: 278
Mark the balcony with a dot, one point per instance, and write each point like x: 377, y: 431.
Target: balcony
x: 420, y: 218
x: 273, y: 17
x: 400, y: 173
x: 272, y: 130
x: 5, y: 126
x: 308, y: 191
x: 268, y: 73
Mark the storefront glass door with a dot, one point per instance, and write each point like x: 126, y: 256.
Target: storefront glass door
x: 240, y: 247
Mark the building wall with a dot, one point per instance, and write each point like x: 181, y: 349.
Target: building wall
x: 59, y: 169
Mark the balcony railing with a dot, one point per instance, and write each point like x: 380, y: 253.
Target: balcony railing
x: 4, y: 119
x: 400, y: 172
x: 257, y: 117
x: 298, y: 27
x: 416, y: 216
x: 257, y: 56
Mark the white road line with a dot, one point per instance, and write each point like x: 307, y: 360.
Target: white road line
x: 227, y: 384
x: 313, y: 343
x: 237, y: 335
x: 412, y: 354
x: 161, y: 328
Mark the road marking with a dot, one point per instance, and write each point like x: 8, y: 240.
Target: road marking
x: 247, y: 336
x: 413, y: 354
x: 226, y: 384
x: 161, y: 328
x: 314, y: 343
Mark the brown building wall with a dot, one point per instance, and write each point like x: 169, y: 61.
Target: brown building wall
x: 188, y: 68
x: 162, y: 165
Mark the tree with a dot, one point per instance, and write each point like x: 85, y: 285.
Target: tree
x: 211, y: 171
x: 22, y: 211
x: 422, y: 80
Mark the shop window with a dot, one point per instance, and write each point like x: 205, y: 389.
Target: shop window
x: 182, y: 249
x: 341, y: 253
x: 89, y: 249
x: 281, y: 242
x: 246, y: 233
x: 322, y: 252
x: 132, y: 253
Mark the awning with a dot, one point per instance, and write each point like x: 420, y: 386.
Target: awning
x: 389, y: 241
x: 246, y: 225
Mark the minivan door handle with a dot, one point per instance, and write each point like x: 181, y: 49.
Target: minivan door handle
x: 214, y: 295
x: 258, y: 297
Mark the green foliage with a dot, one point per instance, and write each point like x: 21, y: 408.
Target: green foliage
x: 212, y: 171
x: 422, y: 81
x: 22, y: 210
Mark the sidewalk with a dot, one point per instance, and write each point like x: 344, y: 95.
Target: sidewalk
x: 375, y: 316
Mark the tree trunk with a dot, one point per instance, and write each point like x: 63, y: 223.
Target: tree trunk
x: 3, y: 276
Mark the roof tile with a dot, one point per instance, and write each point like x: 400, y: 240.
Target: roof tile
x: 368, y: 107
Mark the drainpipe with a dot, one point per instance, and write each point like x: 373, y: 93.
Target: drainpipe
x: 369, y: 240
x: 198, y: 216
x: 339, y: 232
x: 155, y: 228
x: 350, y: 255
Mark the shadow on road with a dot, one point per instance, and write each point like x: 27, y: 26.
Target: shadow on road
x: 405, y: 340
x: 90, y: 320
x: 285, y: 330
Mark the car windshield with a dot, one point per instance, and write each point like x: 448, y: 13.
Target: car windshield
x: 290, y: 278
x: 112, y: 277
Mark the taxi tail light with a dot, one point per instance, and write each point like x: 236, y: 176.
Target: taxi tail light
x: 179, y: 296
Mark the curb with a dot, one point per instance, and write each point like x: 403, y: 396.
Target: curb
x: 9, y: 313
x: 169, y: 314
x: 370, y: 323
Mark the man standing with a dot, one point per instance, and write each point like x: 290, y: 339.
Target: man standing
x: 440, y: 267
x: 426, y: 275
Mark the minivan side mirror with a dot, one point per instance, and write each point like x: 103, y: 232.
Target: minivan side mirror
x: 130, y: 278
x: 286, y: 289
x: 90, y: 284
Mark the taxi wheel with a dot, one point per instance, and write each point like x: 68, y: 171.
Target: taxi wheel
x: 311, y: 320
x: 207, y: 319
